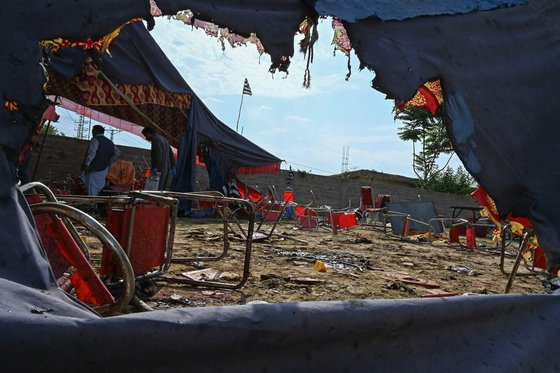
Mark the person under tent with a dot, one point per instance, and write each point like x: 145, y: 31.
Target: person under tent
x: 101, y: 153
x: 163, y: 162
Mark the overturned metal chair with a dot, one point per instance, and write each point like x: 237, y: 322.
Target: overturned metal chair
x: 69, y: 255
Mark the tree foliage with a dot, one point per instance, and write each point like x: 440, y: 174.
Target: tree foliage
x: 51, y: 130
x: 429, y: 140
x: 450, y: 181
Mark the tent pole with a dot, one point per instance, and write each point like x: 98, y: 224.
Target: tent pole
x: 41, y: 151
x: 132, y: 105
x: 239, y: 115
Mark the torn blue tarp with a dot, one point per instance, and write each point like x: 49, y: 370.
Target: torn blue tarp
x: 391, y: 10
x: 460, y: 334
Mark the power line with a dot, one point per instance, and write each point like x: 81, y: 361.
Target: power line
x: 311, y: 168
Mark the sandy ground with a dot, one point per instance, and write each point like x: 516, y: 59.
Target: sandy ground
x: 360, y: 263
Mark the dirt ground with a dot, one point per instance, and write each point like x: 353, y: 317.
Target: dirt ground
x: 360, y: 263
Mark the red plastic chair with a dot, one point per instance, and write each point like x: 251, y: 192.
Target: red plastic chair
x: 371, y: 208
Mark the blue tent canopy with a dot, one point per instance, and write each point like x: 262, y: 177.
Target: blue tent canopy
x: 136, y: 64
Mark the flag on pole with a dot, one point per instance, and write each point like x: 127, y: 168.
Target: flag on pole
x: 247, y: 88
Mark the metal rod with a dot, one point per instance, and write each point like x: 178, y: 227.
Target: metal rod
x: 239, y: 115
x: 133, y: 106
x: 522, y: 246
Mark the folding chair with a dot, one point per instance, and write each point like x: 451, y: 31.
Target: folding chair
x: 267, y: 209
x: 69, y: 256
x: 312, y: 216
x: 520, y: 227
x: 372, y: 209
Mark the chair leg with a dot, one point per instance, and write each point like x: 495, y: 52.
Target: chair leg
x: 522, y: 246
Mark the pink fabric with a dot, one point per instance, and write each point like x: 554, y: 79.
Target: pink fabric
x: 99, y: 117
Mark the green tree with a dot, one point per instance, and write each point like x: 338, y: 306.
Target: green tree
x: 449, y: 181
x: 51, y: 130
x: 429, y: 140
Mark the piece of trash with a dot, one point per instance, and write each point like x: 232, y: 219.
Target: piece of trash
x: 319, y: 266
x: 361, y: 240
x: 257, y: 302
x: 210, y: 274
x: 438, y: 293
x: 300, y: 263
x: 408, y: 264
x: 175, y: 297
x: 396, y: 285
x: 463, y: 270
x: 307, y: 281
x: 199, y: 265
x: 418, y: 281
x: 85, y: 239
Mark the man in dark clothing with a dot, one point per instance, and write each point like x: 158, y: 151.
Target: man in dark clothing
x: 163, y: 162
x: 101, y: 154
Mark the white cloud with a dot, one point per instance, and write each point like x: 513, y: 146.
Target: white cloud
x: 213, y: 99
x: 301, y: 120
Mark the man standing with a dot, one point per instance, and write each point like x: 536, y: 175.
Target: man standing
x: 163, y: 162
x: 101, y: 153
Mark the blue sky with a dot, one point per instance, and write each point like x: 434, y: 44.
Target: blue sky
x: 306, y: 127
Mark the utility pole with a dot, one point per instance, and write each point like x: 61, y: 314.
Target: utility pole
x: 112, y: 131
x: 80, y: 127
x: 345, y: 157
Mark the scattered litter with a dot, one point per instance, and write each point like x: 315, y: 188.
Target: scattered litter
x: 175, y: 297
x: 360, y: 240
x: 307, y: 281
x: 300, y: 263
x: 336, y: 260
x: 463, y: 270
x: 198, y: 265
x: 210, y: 274
x: 396, y: 285
x: 437, y: 293
x: 408, y: 264
x: 418, y: 281
x: 319, y: 266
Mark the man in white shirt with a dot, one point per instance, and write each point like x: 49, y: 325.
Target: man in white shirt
x: 100, y: 155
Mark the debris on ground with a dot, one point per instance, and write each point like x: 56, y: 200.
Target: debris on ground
x: 361, y: 264
x: 319, y: 266
x: 211, y: 274
x: 463, y: 270
x: 418, y: 281
x: 438, y: 293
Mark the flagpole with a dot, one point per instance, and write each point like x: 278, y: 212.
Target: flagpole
x: 239, y: 115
